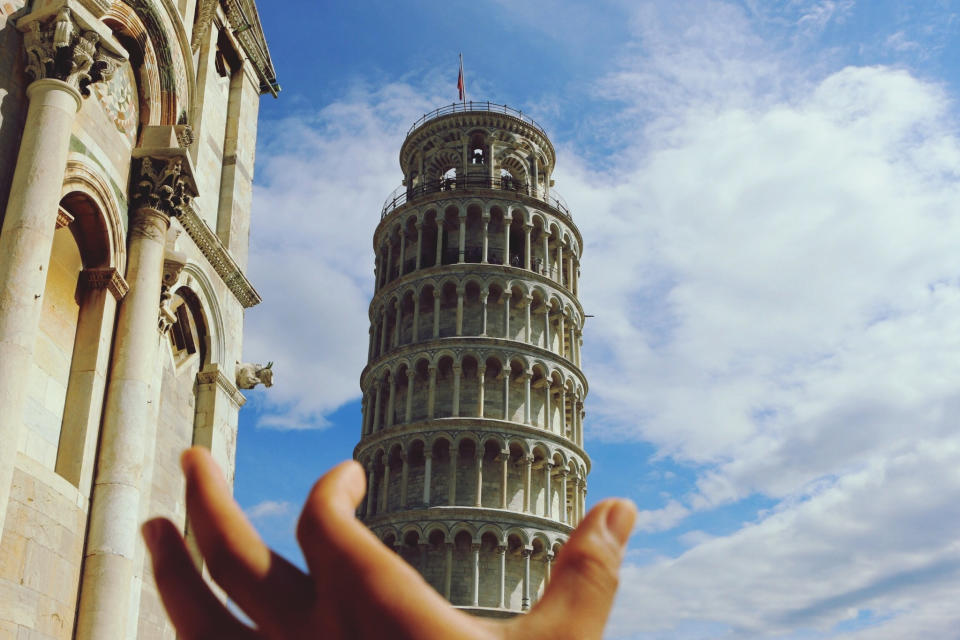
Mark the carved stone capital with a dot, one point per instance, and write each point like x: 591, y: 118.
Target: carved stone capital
x: 64, y: 41
x: 63, y: 218
x: 163, y: 183
x: 105, y: 278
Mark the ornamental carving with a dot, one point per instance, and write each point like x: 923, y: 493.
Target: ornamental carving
x: 249, y: 375
x: 164, y: 184
x: 62, y: 50
x: 105, y: 278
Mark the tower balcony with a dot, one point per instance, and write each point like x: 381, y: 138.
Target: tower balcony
x: 468, y: 184
x: 472, y: 107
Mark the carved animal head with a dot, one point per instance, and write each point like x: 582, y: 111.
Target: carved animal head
x: 265, y: 374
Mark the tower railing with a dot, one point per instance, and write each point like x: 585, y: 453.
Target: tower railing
x: 463, y: 107
x: 403, y: 194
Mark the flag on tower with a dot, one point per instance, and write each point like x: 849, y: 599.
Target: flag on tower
x: 461, y: 87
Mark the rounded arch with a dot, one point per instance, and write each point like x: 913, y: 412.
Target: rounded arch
x: 467, y: 527
x: 82, y: 178
x: 143, y: 32
x: 194, y: 274
x: 492, y: 529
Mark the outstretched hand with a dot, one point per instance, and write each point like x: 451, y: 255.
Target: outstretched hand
x: 356, y: 587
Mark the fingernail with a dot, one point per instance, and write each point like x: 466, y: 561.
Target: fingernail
x: 620, y: 519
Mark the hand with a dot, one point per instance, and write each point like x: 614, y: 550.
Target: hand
x: 356, y: 587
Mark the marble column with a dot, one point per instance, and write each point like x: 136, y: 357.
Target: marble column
x: 484, y: 296
x: 460, y: 294
x: 547, y: 471
x: 404, y: 477
x: 563, y: 496
x: 546, y: 254
x: 526, y: 246
x: 501, y: 599
x: 377, y: 424
x: 507, y: 297
x: 439, y: 256
x: 504, y: 477
x: 525, y: 602
x: 432, y: 393
x: 391, y: 402
x: 447, y: 569
x: 436, y: 313
x: 526, y: 301
x: 478, y: 497
x: 408, y: 410
x: 457, y: 373
x: 476, y: 573
x: 452, y: 485
x: 526, y: 398
x: 481, y: 389
x: 419, y: 226
x: 527, y: 483
x: 506, y: 392
x: 463, y: 237
x: 389, y: 269
x: 61, y: 46
x: 162, y: 187
x: 506, y: 240
x: 415, y: 329
x: 486, y: 239
x: 427, y: 474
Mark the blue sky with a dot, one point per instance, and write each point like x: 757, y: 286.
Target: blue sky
x: 768, y: 196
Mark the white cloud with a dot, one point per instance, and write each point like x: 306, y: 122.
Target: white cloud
x: 774, y: 274
x: 667, y: 517
x: 268, y: 509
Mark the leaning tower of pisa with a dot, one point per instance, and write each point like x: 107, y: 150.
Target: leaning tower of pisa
x: 473, y: 395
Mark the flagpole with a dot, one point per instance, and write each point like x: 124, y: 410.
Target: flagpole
x: 464, y: 80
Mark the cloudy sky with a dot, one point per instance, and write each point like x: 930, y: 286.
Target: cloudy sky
x: 768, y: 193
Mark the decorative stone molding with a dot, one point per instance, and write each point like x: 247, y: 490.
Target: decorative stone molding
x: 64, y: 41
x: 245, y: 20
x: 219, y: 258
x: 212, y: 374
x: 105, y: 278
x: 205, y: 11
x: 63, y: 218
x: 173, y: 264
x: 185, y: 137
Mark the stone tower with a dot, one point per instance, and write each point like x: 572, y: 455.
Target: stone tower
x: 473, y: 394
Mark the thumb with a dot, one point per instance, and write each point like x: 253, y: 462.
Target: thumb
x: 584, y: 581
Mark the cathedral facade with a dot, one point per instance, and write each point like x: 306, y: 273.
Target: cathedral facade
x: 127, y: 137
x: 473, y: 393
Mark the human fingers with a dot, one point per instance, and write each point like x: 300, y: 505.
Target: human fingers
x: 378, y: 592
x: 584, y: 580
x: 268, y: 588
x: 195, y: 612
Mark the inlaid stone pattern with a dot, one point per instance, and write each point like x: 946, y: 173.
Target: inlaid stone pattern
x: 473, y: 393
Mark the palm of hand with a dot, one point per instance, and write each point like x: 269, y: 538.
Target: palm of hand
x: 356, y: 587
